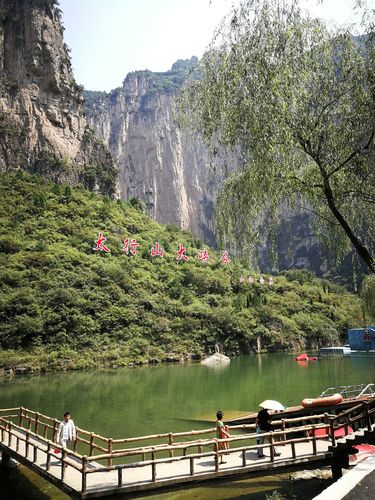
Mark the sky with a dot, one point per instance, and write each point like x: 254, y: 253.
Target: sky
x: 110, y: 38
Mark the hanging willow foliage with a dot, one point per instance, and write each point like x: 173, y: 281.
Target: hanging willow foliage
x: 368, y: 297
x: 296, y: 101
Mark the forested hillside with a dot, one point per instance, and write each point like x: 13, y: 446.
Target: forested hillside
x: 64, y: 305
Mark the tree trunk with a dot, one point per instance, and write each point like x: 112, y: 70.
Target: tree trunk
x: 360, y: 249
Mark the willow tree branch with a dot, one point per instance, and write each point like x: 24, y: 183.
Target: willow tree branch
x: 353, y: 155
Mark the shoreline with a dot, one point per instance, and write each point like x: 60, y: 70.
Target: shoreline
x: 41, y: 360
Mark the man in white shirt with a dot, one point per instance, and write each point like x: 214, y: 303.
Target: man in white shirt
x: 67, y: 431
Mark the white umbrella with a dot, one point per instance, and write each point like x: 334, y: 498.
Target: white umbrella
x: 271, y: 404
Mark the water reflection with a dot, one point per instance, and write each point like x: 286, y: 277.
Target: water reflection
x: 139, y: 401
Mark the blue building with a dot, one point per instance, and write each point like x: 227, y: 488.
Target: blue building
x: 362, y: 339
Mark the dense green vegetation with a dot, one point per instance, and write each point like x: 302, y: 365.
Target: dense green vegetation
x: 63, y: 305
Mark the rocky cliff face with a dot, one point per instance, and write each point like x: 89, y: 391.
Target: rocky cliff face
x: 43, y: 129
x: 172, y: 171
x: 42, y: 125
x: 158, y: 163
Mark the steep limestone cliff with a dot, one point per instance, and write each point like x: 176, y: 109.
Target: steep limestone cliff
x: 172, y: 171
x: 42, y: 125
x: 158, y: 163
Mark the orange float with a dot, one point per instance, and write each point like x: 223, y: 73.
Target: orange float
x: 327, y: 401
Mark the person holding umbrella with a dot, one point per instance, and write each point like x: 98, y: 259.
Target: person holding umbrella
x: 263, y: 423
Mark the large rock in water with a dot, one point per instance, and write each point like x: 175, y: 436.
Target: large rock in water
x: 42, y: 124
x: 216, y: 359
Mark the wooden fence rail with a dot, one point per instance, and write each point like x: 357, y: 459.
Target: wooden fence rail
x: 215, y: 454
x: 93, y: 441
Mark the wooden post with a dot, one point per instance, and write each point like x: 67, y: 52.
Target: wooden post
x: 17, y: 444
x: 35, y: 455
x: 27, y: 444
x: 153, y: 470
x: 45, y: 431
x: 75, y: 443
x: 272, y: 448
x: 314, y: 440
x: 184, y: 452
x: 56, y: 423
x: 332, y: 430
x: 199, y: 449
x: 36, y: 423
x: 170, y: 442
x: 91, y: 443
x: 326, y: 421
x: 21, y: 416
x: 192, y: 466
x: 243, y: 458
x: 337, y: 465
x: 293, y: 449
x: 283, y: 428
x: 48, y: 464
x: 84, y: 474
x: 368, y: 419
x: 119, y: 478
x: 216, y: 456
x: 110, y: 448
x: 365, y: 414
x: 9, y: 435
x: 63, y: 466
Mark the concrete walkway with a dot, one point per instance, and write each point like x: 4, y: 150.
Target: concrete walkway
x: 357, y: 484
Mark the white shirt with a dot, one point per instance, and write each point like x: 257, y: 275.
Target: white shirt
x: 66, y: 431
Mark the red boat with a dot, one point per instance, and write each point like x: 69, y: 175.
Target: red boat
x: 302, y: 357
x: 305, y: 357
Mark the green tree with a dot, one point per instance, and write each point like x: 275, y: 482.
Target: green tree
x: 295, y: 101
x: 368, y: 299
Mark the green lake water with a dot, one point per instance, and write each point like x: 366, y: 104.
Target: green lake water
x: 156, y: 399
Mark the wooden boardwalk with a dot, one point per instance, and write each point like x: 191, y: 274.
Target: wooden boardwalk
x: 116, y: 466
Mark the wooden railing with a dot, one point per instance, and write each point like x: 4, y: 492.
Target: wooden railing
x: 47, y: 427
x: 360, y: 416
x: 34, y: 444
x: 90, y: 442
x: 38, y: 433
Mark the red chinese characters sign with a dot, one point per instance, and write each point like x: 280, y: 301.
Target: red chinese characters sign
x: 203, y: 255
x: 100, y: 244
x: 156, y: 251
x: 225, y: 258
x: 132, y: 247
x: 180, y: 253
